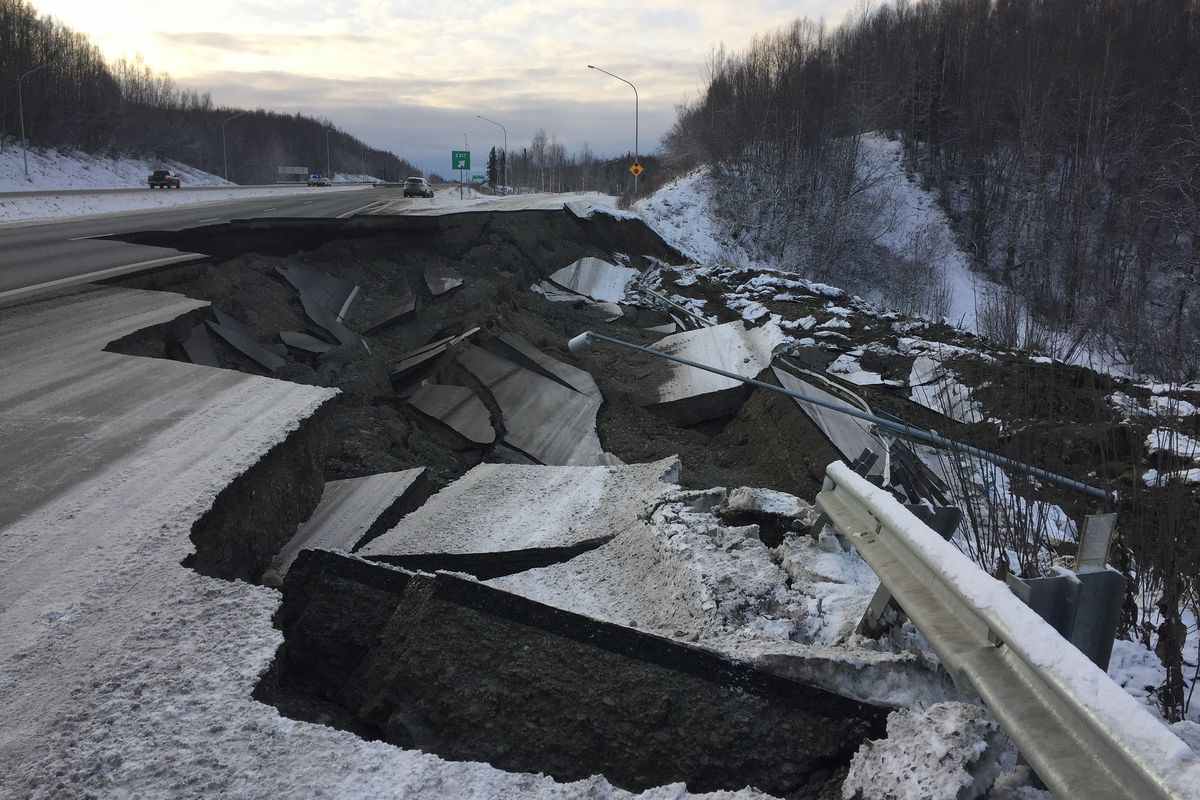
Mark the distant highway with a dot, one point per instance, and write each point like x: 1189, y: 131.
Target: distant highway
x: 143, y: 188
x: 64, y: 250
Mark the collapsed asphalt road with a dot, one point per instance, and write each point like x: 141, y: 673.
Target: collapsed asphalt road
x: 443, y: 360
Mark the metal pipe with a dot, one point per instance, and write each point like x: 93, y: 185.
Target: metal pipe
x: 224, y: 149
x: 582, y: 343
x: 636, y: 112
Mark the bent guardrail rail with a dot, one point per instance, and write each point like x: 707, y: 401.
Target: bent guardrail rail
x: 1083, y: 735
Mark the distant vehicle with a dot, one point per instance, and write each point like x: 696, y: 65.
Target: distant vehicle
x: 164, y: 179
x: 417, y: 187
x: 317, y: 179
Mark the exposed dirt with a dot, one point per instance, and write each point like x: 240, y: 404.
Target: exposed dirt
x: 768, y: 442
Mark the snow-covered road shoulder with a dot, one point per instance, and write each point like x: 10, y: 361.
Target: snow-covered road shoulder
x: 74, y: 204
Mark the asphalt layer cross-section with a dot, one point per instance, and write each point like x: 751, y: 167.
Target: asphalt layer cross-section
x: 34, y: 254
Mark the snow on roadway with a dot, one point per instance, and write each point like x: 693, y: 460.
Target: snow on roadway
x: 52, y: 169
x: 35, y: 209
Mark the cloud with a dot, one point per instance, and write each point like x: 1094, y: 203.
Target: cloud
x: 244, y: 43
x: 380, y: 63
x: 425, y: 134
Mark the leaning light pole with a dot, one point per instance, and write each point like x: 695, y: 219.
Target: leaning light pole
x: 485, y: 119
x: 636, y: 101
x: 224, y: 148
x: 21, y: 112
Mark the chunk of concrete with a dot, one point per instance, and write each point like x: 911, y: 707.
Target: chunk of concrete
x: 199, y: 347
x: 460, y: 669
x: 415, y: 358
x: 441, y: 279
x: 937, y: 387
x: 849, y: 435
x: 690, y: 395
x: 325, y: 299
x: 347, y: 512
x: 458, y: 407
x: 242, y: 340
x: 500, y: 518
x: 596, y: 279
x: 544, y: 419
x: 327, y: 291
x: 386, y: 310
x: 523, y: 352
x: 305, y: 342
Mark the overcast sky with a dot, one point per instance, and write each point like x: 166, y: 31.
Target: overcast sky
x: 410, y: 76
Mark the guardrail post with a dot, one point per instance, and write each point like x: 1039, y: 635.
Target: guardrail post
x: 1083, y: 605
x: 883, y: 611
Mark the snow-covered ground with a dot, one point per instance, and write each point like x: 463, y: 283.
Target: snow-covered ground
x: 681, y: 213
x: 29, y: 209
x: 918, y: 228
x: 51, y: 170
x: 915, y: 227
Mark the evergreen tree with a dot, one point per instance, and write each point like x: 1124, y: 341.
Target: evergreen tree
x: 491, y: 169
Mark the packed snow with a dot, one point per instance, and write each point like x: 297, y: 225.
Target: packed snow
x: 949, y: 751
x: 1165, y: 440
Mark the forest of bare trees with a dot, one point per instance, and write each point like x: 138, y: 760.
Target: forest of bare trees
x: 77, y: 100
x: 1063, y: 137
x: 546, y: 165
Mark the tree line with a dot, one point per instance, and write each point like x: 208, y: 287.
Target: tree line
x: 1063, y: 137
x: 77, y: 100
x: 545, y: 165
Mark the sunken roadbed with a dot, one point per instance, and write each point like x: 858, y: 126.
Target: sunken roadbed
x: 336, y: 513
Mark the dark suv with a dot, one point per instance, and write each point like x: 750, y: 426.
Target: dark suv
x: 417, y: 187
x: 164, y: 179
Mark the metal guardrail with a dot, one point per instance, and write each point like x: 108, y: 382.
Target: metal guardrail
x: 1083, y: 735
x: 584, y: 341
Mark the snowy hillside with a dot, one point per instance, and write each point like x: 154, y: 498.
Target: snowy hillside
x: 909, y: 223
x: 916, y: 228
x: 57, y: 169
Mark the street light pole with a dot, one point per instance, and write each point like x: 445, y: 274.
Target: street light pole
x: 328, y: 158
x: 21, y: 111
x: 224, y: 148
x: 485, y: 119
x: 636, y: 103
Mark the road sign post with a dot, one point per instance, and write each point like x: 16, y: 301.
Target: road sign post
x: 461, y: 161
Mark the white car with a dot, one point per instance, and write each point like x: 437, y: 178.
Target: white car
x: 417, y: 187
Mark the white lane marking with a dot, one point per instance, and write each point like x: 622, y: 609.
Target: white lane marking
x: 210, y: 219
x: 91, y: 236
x: 360, y: 208
x: 11, y: 295
x: 272, y: 208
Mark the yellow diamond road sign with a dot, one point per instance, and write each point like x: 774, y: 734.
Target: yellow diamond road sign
x: 636, y: 168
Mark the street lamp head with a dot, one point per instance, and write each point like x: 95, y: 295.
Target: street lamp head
x: 591, y: 67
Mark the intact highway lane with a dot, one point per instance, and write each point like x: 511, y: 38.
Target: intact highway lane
x: 43, y: 255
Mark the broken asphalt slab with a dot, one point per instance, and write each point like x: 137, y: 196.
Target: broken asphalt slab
x: 504, y: 518
x: 348, y: 511
x: 472, y: 673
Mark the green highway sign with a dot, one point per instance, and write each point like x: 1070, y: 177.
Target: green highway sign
x: 460, y: 159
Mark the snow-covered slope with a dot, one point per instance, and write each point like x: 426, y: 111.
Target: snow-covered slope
x: 918, y: 227
x: 681, y: 213
x: 912, y: 225
x: 58, y: 169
